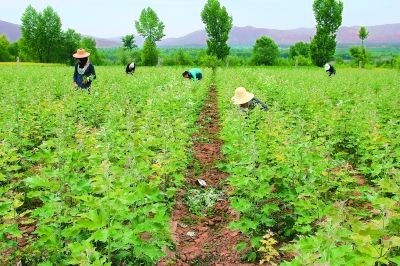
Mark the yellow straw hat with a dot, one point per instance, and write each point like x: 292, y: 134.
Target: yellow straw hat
x: 242, y: 96
x: 81, y: 53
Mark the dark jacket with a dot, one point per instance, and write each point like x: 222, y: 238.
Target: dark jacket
x: 331, y: 71
x: 129, y: 70
x: 89, y: 75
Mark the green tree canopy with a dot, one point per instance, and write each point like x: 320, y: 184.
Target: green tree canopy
x: 4, y: 49
x: 265, y: 51
x: 218, y: 25
x: 299, y: 48
x: 149, y: 26
x: 41, y: 33
x: 328, y: 15
x: 363, y: 35
x: 149, y: 53
x: 70, y: 43
x: 89, y: 44
x: 128, y: 42
x: 359, y: 55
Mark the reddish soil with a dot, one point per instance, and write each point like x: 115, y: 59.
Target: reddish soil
x: 205, y: 240
x: 23, y: 241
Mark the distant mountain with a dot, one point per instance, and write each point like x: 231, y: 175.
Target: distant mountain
x: 246, y: 36
x: 12, y: 31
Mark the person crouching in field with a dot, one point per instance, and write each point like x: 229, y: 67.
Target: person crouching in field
x: 84, y: 72
x: 247, y: 101
x: 130, y: 68
x: 193, y: 74
x: 330, y: 69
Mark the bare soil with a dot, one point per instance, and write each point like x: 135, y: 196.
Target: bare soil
x: 205, y: 240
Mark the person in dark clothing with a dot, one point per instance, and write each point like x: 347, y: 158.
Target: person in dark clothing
x: 130, y: 68
x: 247, y: 101
x: 193, y: 74
x: 330, y: 69
x: 84, y: 72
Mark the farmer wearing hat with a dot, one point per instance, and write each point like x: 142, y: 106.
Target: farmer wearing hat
x: 246, y: 100
x: 330, y: 69
x: 84, y: 71
x: 130, y: 68
x: 193, y: 74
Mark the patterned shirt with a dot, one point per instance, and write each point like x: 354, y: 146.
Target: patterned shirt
x: 89, y: 74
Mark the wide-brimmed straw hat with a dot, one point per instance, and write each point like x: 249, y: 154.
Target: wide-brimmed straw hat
x: 81, y: 53
x: 327, y: 66
x: 242, y: 96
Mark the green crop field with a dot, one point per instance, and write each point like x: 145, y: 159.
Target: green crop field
x: 92, y: 179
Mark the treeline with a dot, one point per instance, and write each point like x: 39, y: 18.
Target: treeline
x: 44, y: 41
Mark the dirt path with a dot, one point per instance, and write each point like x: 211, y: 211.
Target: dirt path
x: 205, y: 240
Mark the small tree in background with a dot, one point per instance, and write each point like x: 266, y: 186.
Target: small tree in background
x: 359, y: 55
x: 300, y: 48
x: 128, y: 42
x: 265, y: 52
x: 363, y: 35
x: 152, y: 29
x: 328, y: 14
x: 4, y: 49
x: 149, y: 53
x: 218, y: 25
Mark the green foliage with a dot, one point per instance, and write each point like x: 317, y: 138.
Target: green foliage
x: 302, y: 61
x: 149, y: 26
x: 218, y: 25
x: 42, y: 39
x: 149, y: 53
x: 265, y: 51
x: 4, y: 49
x: 178, y: 58
x: 89, y: 44
x: 202, y: 201
x: 299, y: 49
x: 128, y: 42
x: 210, y: 61
x: 71, y: 42
x: 41, y: 33
x: 328, y: 15
x: 94, y: 175
x: 363, y: 35
x: 359, y: 55
x: 320, y: 169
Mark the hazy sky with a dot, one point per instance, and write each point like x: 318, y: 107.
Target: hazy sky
x: 116, y: 17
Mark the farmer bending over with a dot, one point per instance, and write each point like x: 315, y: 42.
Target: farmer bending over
x: 130, y: 68
x: 193, y: 74
x: 247, y: 101
x: 330, y: 69
x: 84, y: 71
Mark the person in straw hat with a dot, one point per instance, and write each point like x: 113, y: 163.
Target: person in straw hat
x: 84, y: 71
x: 246, y: 100
x: 130, y: 68
x: 330, y: 69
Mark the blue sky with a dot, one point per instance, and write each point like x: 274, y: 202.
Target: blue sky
x: 116, y: 17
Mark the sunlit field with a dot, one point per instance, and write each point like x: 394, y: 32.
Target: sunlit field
x: 91, y: 179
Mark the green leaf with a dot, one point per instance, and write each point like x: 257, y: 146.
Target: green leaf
x: 100, y: 235
x: 241, y: 204
x: 395, y: 260
x: 241, y: 246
